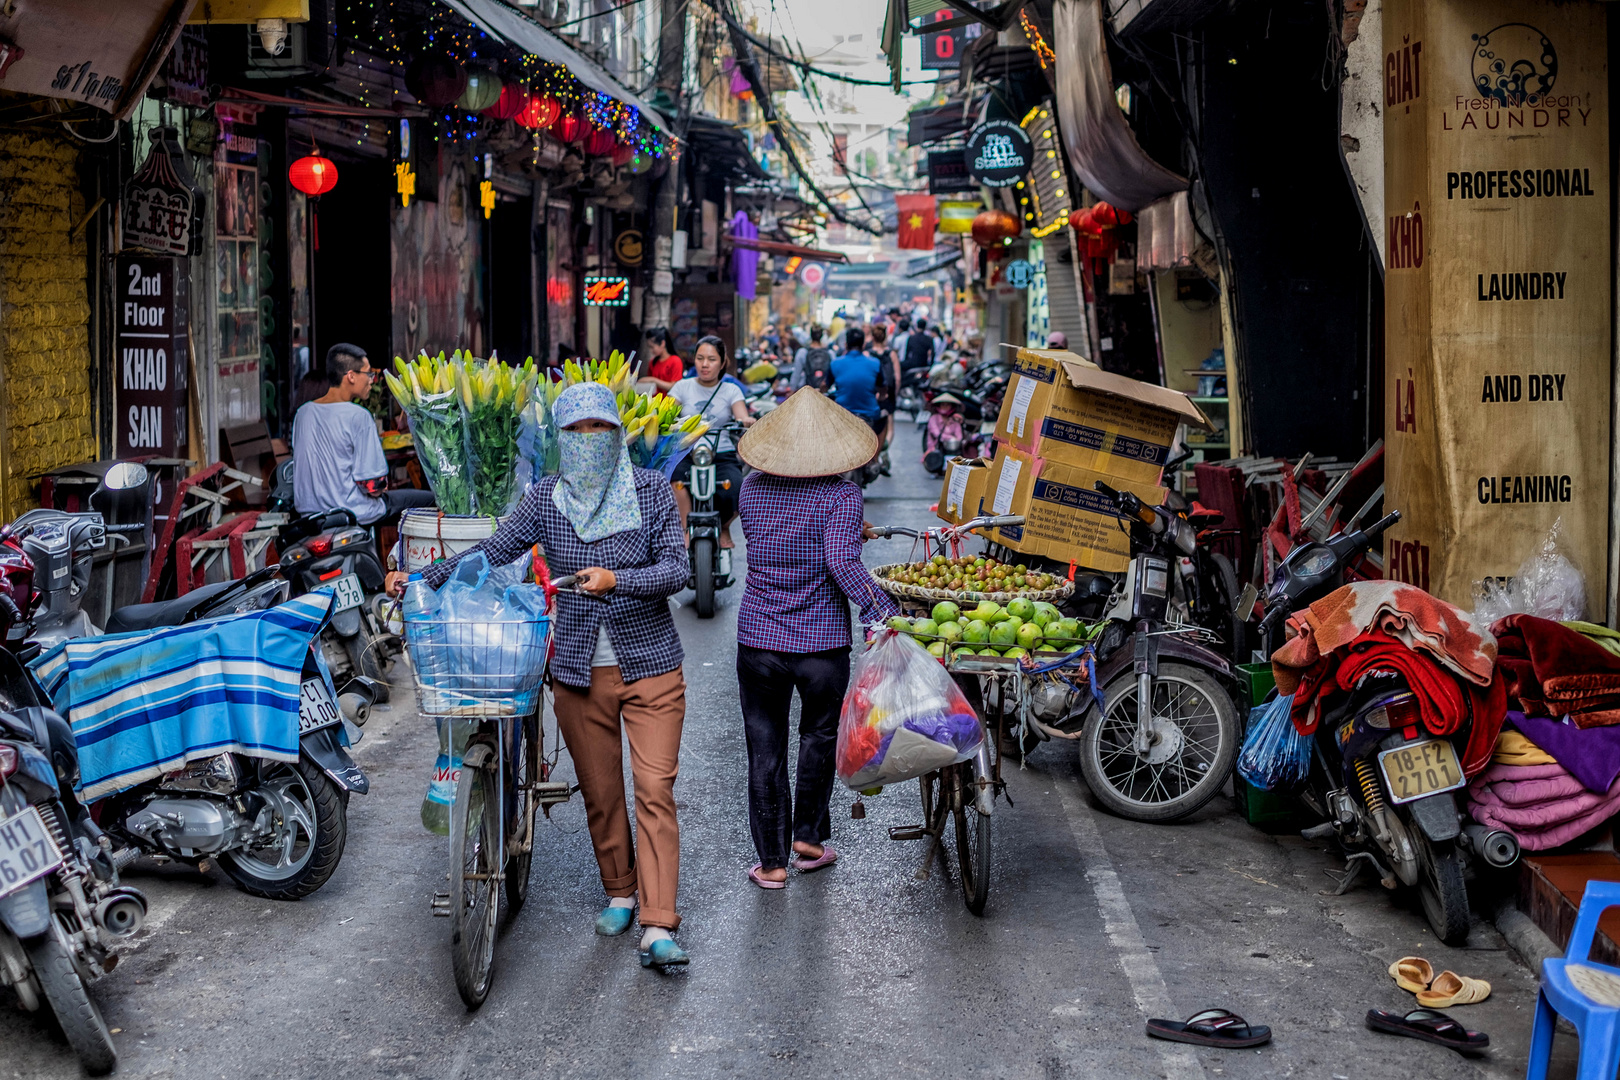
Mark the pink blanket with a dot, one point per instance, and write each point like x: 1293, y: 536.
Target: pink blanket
x: 1543, y: 805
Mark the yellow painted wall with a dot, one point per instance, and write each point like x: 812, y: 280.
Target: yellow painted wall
x: 46, y: 412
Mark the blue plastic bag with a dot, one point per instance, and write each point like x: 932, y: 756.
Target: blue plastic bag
x: 1275, y: 756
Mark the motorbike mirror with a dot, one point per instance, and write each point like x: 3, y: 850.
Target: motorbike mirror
x: 125, y: 475
x: 1245, y: 602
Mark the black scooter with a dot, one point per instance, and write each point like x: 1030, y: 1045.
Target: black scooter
x: 711, y: 564
x: 333, y: 550
x: 1386, y: 788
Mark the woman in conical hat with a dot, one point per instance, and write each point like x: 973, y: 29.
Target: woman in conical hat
x: 803, y: 523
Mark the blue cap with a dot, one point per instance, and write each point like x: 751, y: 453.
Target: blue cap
x: 585, y: 401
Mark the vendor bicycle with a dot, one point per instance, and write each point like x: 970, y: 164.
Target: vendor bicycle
x: 486, y: 677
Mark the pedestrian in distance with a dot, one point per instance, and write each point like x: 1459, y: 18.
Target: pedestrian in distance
x: 719, y: 403
x: 617, y: 666
x: 803, y: 524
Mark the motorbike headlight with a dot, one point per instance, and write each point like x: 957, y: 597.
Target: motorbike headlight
x: 702, y: 454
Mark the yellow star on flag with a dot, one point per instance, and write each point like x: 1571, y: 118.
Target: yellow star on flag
x: 915, y: 221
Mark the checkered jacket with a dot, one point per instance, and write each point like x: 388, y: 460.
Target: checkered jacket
x: 650, y: 563
x: 804, y: 559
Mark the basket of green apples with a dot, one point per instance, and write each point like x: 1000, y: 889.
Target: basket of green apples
x: 987, y: 629
x: 970, y: 580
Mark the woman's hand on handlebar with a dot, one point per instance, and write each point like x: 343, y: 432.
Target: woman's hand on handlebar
x: 394, y: 583
x: 595, y: 579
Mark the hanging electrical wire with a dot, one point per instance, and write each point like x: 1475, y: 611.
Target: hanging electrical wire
x: 738, y: 29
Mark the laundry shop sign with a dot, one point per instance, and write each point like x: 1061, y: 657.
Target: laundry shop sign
x: 998, y: 153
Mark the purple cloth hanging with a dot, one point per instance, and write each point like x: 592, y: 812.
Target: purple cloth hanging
x: 744, y: 261
x: 1592, y: 755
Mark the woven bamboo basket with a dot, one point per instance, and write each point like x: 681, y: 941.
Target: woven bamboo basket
x: 1058, y: 592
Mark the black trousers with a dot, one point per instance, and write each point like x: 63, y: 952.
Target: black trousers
x: 766, y: 681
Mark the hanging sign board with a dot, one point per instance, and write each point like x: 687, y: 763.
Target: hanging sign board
x: 998, y: 153
x: 153, y: 294
x: 942, y: 50
x: 1498, y: 289
x: 87, y: 51
x: 162, y: 203
x: 948, y: 172
x: 1020, y: 274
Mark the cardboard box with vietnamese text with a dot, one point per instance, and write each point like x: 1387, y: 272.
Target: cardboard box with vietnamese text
x: 963, y: 489
x: 1064, y: 409
x: 1065, y: 517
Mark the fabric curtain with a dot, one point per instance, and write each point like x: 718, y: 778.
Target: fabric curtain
x: 744, y: 261
x: 1103, y: 150
x: 1164, y: 234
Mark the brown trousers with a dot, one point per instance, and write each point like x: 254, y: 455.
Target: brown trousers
x: 652, y: 711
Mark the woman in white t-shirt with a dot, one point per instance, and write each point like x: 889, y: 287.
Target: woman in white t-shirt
x: 720, y: 402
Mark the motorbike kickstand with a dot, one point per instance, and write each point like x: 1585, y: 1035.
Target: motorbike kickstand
x: 1352, y: 871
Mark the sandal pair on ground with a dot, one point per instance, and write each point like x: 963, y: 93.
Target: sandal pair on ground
x: 803, y: 863
x: 1227, y: 1030
x: 1434, y: 992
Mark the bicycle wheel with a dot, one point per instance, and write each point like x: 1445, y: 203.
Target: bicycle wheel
x: 524, y: 770
x: 972, y: 838
x: 474, y: 864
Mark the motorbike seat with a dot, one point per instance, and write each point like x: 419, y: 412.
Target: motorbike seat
x: 1201, y: 515
x: 163, y: 612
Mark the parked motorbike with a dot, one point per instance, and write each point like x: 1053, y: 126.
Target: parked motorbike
x: 333, y: 549
x: 1385, y: 786
x: 277, y: 828
x: 62, y: 906
x: 711, y: 564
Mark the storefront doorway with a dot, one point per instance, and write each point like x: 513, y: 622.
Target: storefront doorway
x: 511, y: 279
x: 351, y: 263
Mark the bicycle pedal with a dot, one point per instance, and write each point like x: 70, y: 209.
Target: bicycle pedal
x: 907, y: 832
x: 441, y: 905
x: 552, y: 791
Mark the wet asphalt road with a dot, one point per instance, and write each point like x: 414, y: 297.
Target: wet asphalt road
x: 860, y: 971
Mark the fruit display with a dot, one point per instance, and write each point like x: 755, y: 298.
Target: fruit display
x: 974, y: 577
x: 1022, y: 627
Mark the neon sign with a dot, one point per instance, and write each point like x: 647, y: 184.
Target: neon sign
x: 607, y: 292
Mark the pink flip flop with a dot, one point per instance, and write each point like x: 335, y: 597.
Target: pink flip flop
x: 764, y: 882
x: 827, y: 858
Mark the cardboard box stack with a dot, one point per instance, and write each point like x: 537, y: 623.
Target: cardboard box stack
x: 1064, y: 425
x: 963, y: 490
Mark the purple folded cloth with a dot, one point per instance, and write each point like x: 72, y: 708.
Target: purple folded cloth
x: 954, y: 729
x: 1592, y: 755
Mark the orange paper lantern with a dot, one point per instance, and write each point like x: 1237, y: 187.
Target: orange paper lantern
x: 313, y: 175
x: 993, y: 228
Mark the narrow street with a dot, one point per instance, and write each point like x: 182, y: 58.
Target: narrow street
x: 862, y: 970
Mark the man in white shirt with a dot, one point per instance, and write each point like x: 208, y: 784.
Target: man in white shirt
x: 338, y: 461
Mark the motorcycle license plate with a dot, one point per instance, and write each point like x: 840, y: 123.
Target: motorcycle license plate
x: 1418, y: 769
x: 316, y: 707
x: 27, y: 851
x: 350, y: 594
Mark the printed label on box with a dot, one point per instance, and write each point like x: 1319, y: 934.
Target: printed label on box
x: 1007, y: 486
x: 1090, y: 438
x: 1022, y: 393
x: 958, y: 490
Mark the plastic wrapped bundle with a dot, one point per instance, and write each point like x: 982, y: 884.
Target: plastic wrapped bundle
x: 494, y: 632
x: 903, y: 716
x: 1275, y: 756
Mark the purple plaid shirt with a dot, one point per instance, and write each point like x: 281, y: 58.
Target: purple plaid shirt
x: 804, y: 558
x: 650, y: 563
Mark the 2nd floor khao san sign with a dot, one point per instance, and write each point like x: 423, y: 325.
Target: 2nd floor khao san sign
x: 162, y: 202
x: 151, y: 360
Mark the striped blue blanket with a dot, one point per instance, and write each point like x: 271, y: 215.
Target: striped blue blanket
x: 144, y: 703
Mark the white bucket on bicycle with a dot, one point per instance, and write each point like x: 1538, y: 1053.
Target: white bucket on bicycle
x: 427, y: 535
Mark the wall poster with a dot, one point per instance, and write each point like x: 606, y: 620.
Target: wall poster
x: 1497, y: 292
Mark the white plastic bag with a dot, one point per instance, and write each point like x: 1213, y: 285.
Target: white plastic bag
x: 1547, y: 585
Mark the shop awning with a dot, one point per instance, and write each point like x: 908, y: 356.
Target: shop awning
x: 89, y: 51
x: 937, y: 122
x: 781, y: 247
x: 521, y: 32
x: 933, y: 263
x: 722, y: 149
x: 1102, y: 147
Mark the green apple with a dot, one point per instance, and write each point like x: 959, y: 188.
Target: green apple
x: 901, y: 624
x: 924, y: 627
x: 937, y: 648
x: 945, y: 611
x: 1020, y: 608
x: 977, y: 631
x: 950, y: 631
x: 1029, y: 635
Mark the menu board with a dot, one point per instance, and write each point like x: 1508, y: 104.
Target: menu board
x: 1497, y: 290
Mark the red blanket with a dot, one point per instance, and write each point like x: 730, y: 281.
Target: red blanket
x: 1445, y: 704
x: 1553, y: 670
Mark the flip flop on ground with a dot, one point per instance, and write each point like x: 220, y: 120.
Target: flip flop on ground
x: 1429, y: 1025
x: 1212, y: 1027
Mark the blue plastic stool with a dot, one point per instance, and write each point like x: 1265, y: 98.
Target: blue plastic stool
x: 1597, y: 1025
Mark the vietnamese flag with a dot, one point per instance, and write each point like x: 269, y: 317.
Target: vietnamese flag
x: 916, y: 221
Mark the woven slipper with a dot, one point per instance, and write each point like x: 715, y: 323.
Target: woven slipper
x: 827, y: 858
x: 1429, y: 1026
x: 1212, y: 1027
x: 1412, y: 974
x: 1450, y: 989
x: 764, y: 882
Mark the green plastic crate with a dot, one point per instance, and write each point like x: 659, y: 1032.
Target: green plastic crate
x: 1265, y: 810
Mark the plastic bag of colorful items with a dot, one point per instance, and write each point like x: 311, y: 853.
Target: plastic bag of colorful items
x: 903, y: 716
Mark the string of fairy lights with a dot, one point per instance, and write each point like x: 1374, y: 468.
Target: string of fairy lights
x: 462, y: 44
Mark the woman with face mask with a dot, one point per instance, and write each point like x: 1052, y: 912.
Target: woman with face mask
x: 617, y: 665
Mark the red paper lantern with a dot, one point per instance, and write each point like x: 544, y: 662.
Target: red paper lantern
x: 541, y: 112
x: 623, y: 154
x: 436, y: 80
x: 513, y: 100
x: 569, y: 128
x: 993, y: 228
x: 599, y: 142
x: 313, y: 175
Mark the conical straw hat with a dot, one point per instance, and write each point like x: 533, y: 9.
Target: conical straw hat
x: 809, y: 434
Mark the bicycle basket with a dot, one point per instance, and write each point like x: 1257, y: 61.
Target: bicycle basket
x: 478, y: 668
